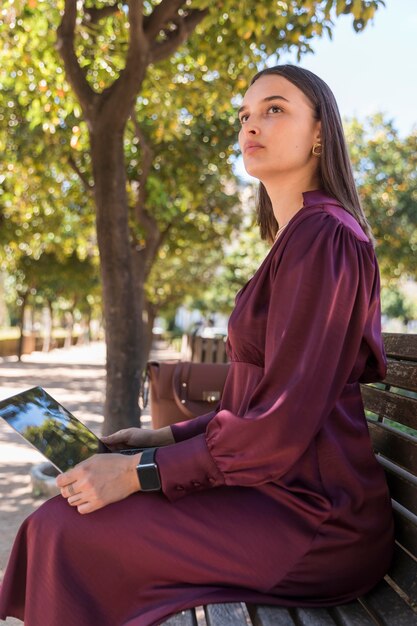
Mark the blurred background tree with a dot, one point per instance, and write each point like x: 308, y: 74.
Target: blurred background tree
x: 144, y: 77
x: 64, y: 285
x: 385, y: 169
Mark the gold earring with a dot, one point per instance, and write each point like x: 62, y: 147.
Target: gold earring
x: 314, y: 150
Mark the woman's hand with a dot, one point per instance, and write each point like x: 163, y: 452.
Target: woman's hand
x: 100, y: 480
x: 139, y: 438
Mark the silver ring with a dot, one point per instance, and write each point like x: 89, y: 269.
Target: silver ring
x: 71, y: 490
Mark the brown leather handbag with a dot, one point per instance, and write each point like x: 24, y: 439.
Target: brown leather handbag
x: 182, y: 390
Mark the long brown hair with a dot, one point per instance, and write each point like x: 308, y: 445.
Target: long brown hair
x: 335, y: 169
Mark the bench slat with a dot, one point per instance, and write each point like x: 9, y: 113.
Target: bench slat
x: 352, y: 614
x: 404, y: 485
x: 221, y: 356
x: 395, y: 445
x: 403, y: 572
x: 387, y: 607
x: 197, y: 350
x: 185, y: 618
x: 313, y: 617
x: 402, y: 490
x: 226, y: 614
x: 401, y: 345
x: 405, y: 528
x: 266, y: 615
x: 401, y: 374
x: 400, y: 409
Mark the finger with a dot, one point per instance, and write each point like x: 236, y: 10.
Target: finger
x: 118, y: 441
x: 69, y: 491
x: 77, y: 500
x: 117, y: 437
x: 62, y: 480
x: 118, y: 434
x: 87, y: 507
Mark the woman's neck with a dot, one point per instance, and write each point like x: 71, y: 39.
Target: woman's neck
x: 287, y: 200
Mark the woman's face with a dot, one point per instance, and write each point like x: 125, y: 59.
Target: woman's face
x: 278, y: 130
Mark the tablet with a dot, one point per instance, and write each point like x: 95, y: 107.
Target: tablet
x: 52, y: 429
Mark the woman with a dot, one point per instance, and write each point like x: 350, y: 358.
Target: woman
x: 275, y: 497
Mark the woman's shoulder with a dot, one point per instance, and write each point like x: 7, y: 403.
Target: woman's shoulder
x: 326, y: 213
x: 321, y: 234
x: 342, y: 215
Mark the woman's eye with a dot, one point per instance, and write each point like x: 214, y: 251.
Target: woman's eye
x: 275, y: 108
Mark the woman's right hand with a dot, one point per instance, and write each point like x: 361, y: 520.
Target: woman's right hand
x: 139, y: 438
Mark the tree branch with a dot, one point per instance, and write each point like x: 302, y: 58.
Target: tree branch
x: 185, y: 26
x: 65, y: 46
x: 154, y: 236
x: 162, y: 13
x: 94, y: 15
x: 84, y: 179
x: 152, y: 250
x: 138, y: 43
x: 121, y: 95
x: 144, y: 218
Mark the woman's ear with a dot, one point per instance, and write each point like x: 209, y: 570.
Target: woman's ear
x: 317, y: 134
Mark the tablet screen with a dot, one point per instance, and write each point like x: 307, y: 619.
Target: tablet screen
x: 54, y: 431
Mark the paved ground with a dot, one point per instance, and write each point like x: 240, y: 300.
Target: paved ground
x: 76, y: 378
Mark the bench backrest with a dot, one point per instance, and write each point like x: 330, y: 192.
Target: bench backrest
x: 208, y: 350
x: 391, y: 409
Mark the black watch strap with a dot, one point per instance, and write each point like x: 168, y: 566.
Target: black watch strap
x: 148, y: 471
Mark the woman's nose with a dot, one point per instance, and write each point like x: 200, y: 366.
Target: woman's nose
x: 251, y: 127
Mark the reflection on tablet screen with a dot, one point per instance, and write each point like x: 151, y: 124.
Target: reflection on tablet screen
x: 53, y: 430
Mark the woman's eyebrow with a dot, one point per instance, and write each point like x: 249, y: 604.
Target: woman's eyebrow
x: 267, y: 99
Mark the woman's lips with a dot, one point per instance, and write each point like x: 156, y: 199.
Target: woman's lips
x: 251, y: 147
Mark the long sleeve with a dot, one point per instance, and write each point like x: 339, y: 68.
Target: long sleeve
x: 192, y: 427
x: 321, y: 286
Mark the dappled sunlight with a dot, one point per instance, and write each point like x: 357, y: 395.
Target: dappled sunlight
x: 15, y: 486
x: 75, y: 378
x: 93, y: 353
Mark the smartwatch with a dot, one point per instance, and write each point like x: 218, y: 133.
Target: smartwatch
x: 147, y: 470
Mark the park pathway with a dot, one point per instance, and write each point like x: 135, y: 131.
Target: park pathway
x: 76, y: 378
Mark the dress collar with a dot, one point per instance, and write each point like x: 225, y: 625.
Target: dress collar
x: 318, y: 196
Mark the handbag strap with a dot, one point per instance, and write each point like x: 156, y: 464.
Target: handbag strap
x: 180, y: 380
x: 145, y: 385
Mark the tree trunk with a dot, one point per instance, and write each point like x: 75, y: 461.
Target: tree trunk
x: 106, y: 114
x: 69, y: 327
x: 24, y: 298
x: 85, y: 337
x: 123, y: 326
x: 4, y: 314
x: 47, y: 330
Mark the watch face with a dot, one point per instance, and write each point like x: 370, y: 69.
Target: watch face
x: 149, y: 477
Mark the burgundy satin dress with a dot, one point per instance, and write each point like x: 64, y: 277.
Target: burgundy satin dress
x: 276, y: 497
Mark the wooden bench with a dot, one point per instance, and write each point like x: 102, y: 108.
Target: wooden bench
x: 390, y: 406
x: 204, y: 349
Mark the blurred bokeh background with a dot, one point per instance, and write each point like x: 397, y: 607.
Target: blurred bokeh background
x: 125, y: 212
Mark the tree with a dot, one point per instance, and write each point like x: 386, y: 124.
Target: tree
x: 186, y: 270
x: 385, y: 169
x: 49, y: 279
x: 239, y: 261
x: 396, y: 305
x: 181, y: 42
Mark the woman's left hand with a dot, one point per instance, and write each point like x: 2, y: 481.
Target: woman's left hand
x: 100, y: 480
